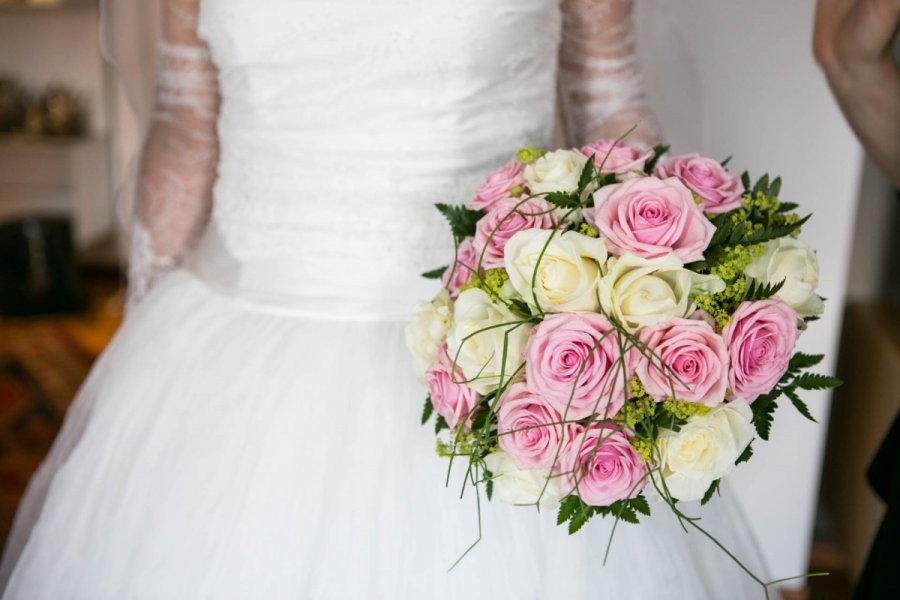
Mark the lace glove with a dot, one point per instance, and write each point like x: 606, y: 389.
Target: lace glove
x: 174, y: 190
x: 600, y: 87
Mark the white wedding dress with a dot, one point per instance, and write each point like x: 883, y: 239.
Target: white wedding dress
x: 253, y: 429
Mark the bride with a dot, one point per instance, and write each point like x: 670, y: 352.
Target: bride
x: 252, y: 431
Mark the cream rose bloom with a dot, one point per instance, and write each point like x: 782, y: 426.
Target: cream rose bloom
x: 427, y: 331
x: 639, y: 291
x: 567, y: 275
x: 520, y: 486
x: 705, y: 449
x: 480, y: 357
x: 795, y: 263
x: 557, y: 171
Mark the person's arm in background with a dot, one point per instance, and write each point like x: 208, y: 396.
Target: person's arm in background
x: 178, y: 166
x: 853, y: 43
x: 600, y: 86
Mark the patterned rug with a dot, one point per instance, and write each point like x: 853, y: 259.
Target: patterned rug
x: 43, y: 361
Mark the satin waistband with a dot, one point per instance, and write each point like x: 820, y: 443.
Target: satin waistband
x: 275, y: 286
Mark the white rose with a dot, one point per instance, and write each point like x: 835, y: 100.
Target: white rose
x: 705, y: 449
x: 427, y: 331
x: 795, y: 263
x: 643, y: 291
x: 557, y: 171
x: 567, y: 275
x: 477, y: 337
x: 519, y: 486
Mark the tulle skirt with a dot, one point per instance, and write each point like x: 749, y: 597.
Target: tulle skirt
x: 219, y: 451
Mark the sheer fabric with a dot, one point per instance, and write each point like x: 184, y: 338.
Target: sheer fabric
x: 174, y: 193
x: 600, y: 85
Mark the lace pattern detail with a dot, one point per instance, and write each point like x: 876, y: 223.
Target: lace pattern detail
x: 600, y: 86
x: 180, y: 155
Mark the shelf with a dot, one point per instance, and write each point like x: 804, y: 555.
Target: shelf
x: 44, y: 5
x: 28, y: 142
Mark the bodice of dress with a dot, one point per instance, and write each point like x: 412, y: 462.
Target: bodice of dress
x: 340, y: 127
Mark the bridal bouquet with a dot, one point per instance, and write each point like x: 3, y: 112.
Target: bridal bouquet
x: 613, y: 324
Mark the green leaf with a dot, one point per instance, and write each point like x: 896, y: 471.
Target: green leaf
x: 439, y: 424
x: 426, y: 412
x: 761, y: 291
x: 762, y: 184
x: 488, y: 483
x: 745, y: 179
x: 774, y: 187
x: 567, y: 508
x: 727, y: 160
x: 581, y: 516
x: 803, y: 361
x: 519, y: 307
x: 787, y: 207
x: 435, y: 273
x: 799, y: 404
x: 745, y: 455
x: 724, y: 227
x: 658, y: 151
x: 640, y: 504
x: 773, y: 233
x: 762, y: 419
x: 587, y: 174
x: 814, y: 381
x: 624, y: 512
x: 561, y: 200
x: 462, y: 220
x: 811, y: 318
x: 712, y: 489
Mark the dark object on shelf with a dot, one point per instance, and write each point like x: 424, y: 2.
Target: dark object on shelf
x: 37, y: 268
x: 12, y: 105
x: 57, y: 112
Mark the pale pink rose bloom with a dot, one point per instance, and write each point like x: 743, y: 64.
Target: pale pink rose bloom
x: 601, y: 475
x: 618, y: 158
x: 452, y: 400
x: 760, y: 340
x: 505, y: 219
x: 720, y: 190
x: 498, y: 185
x: 685, y: 355
x: 530, y: 429
x: 569, y: 362
x: 460, y: 271
x: 651, y: 218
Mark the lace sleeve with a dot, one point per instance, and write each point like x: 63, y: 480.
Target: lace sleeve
x: 174, y: 191
x: 600, y: 87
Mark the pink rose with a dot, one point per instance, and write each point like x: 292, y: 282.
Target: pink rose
x: 720, y: 190
x: 760, y: 340
x: 695, y: 359
x: 601, y: 466
x: 618, y: 158
x: 498, y: 185
x: 461, y: 269
x: 530, y: 429
x: 505, y: 219
x: 453, y: 401
x: 651, y: 218
x: 570, y: 362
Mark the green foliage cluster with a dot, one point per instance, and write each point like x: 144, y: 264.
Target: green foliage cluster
x: 574, y: 511
x: 795, y: 378
x: 738, y: 240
